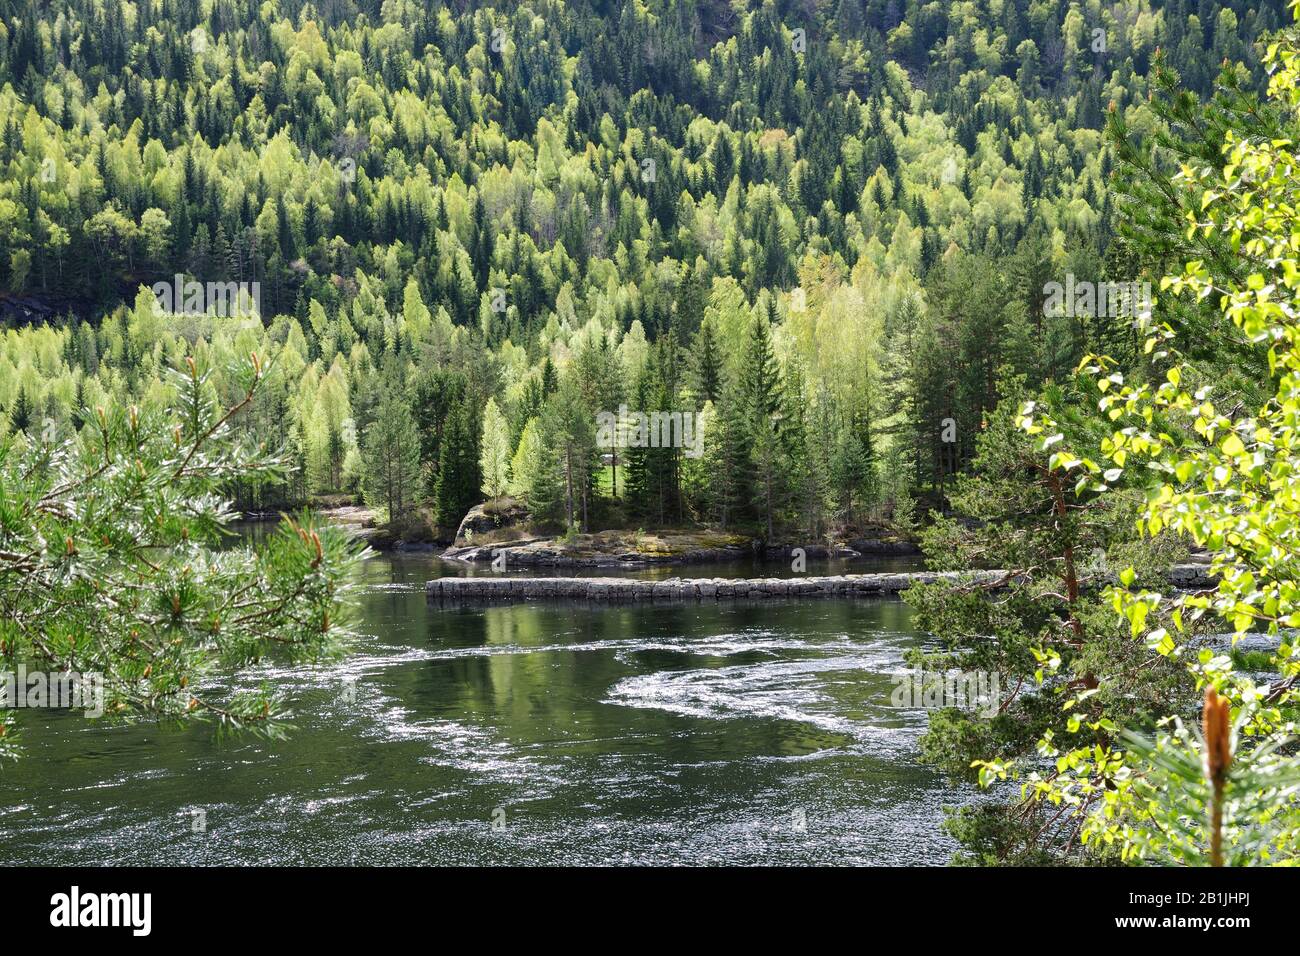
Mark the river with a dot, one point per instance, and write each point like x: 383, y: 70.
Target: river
x: 716, y: 733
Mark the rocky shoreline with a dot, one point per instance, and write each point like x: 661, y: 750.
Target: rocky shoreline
x: 544, y: 553
x: 618, y: 550
x: 484, y: 589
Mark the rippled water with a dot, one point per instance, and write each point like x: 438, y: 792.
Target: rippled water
x: 729, y: 733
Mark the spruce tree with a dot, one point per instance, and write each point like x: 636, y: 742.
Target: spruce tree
x: 761, y: 393
x: 22, y: 413
x: 760, y: 375
x: 706, y: 365
x: 638, y: 480
x: 481, y: 243
x: 727, y: 450
x: 460, y: 480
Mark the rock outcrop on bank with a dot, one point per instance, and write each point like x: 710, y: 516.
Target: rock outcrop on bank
x: 544, y: 553
x: 502, y: 530
x: 608, y: 549
x: 490, y: 520
x: 880, y: 547
x: 505, y: 589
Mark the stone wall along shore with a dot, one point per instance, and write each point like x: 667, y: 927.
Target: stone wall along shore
x: 489, y: 589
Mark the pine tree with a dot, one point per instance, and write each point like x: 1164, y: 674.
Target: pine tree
x: 139, y: 579
x: 1052, y: 540
x: 568, y: 426
x: 392, y: 457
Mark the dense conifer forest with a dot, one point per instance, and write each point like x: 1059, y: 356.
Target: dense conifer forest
x: 825, y: 229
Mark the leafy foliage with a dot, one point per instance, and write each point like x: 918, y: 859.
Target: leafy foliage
x: 1223, y: 479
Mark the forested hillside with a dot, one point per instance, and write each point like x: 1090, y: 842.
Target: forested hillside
x: 828, y: 228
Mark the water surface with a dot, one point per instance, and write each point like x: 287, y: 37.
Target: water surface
x: 714, y: 733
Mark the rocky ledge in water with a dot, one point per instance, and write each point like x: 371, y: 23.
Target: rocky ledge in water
x: 458, y: 590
